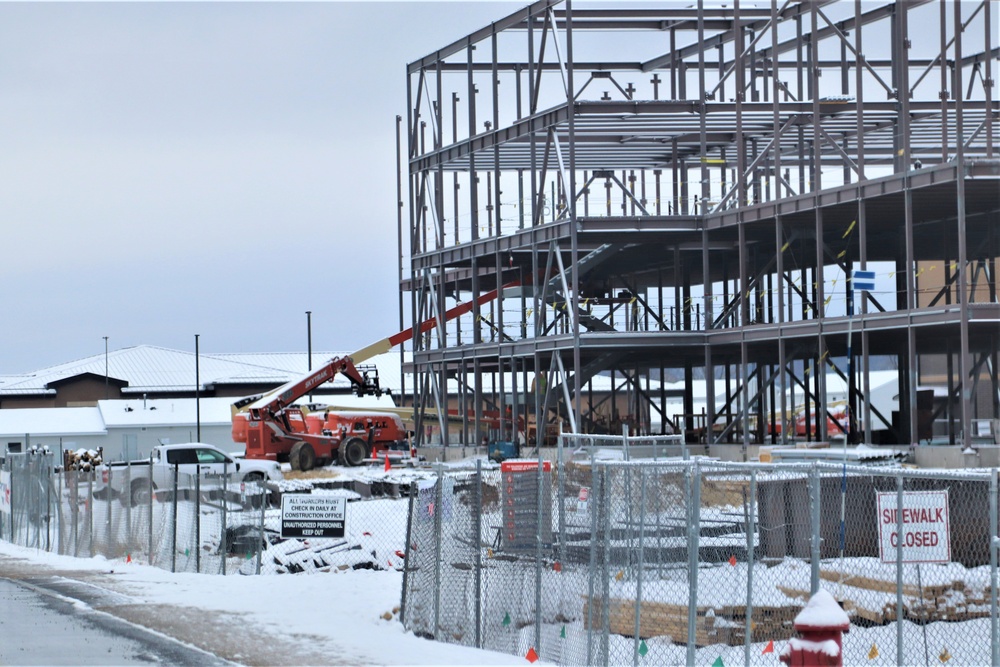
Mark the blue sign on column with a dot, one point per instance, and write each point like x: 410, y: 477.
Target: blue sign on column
x: 863, y: 280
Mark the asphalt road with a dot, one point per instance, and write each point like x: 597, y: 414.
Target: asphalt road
x: 40, y: 624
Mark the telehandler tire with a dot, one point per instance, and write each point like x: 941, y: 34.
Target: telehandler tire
x: 302, y: 456
x: 353, y: 452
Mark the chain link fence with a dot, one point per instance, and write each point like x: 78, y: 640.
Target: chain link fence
x: 193, y: 523
x: 595, y: 559
x: 207, y: 523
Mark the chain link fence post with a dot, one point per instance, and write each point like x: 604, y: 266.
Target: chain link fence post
x: 224, y: 501
x: 814, y: 541
x: 90, y: 508
x: 899, y: 568
x: 127, y: 501
x: 411, y: 556
x: 438, y: 506
x: 13, y: 497
x: 751, y: 531
x: 994, y: 546
x: 31, y: 474
x: 33, y: 501
x: 638, y: 582
x: 60, y: 489
x: 477, y: 539
x: 75, y: 511
x: 605, y: 572
x: 261, y: 541
x: 595, y: 491
x: 561, y: 472
x: 694, y: 533
x: 109, y: 547
x: 149, y: 555
x: 3, y: 521
x: 173, y: 521
x: 50, y: 472
x: 197, y: 520
x: 539, y: 477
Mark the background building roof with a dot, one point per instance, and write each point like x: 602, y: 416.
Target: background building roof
x: 71, y: 422
x: 148, y: 369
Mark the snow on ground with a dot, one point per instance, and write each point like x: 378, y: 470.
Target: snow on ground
x: 325, y: 618
x: 335, y: 616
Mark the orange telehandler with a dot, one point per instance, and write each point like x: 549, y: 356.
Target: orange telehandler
x: 273, y: 427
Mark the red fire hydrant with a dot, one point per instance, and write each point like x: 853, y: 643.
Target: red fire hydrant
x: 820, y: 627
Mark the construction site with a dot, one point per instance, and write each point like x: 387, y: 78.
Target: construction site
x: 716, y: 207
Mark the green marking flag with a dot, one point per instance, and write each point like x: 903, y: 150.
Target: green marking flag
x: 506, y: 619
x: 643, y: 649
x: 187, y: 553
x: 718, y: 662
x: 562, y: 633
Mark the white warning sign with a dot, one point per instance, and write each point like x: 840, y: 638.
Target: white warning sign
x: 312, y: 516
x: 926, y: 530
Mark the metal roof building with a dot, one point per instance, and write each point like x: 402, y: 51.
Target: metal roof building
x: 157, y: 372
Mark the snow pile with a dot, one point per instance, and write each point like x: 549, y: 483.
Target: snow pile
x: 345, y: 618
x: 822, y: 611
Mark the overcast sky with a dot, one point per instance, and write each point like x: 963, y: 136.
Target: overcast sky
x: 219, y: 169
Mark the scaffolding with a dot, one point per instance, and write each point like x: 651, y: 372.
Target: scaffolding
x: 683, y: 193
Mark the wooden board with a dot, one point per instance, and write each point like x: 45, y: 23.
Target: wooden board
x: 660, y: 619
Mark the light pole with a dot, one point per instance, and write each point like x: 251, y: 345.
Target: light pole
x: 197, y: 392
x: 106, y: 391
x: 309, y: 343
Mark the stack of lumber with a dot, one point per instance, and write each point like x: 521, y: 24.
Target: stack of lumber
x: 726, y: 625
x: 767, y: 622
x: 872, y: 600
x: 724, y: 491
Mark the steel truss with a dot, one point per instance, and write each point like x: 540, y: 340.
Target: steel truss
x: 683, y: 192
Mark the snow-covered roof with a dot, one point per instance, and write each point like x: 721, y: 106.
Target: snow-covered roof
x: 140, y: 413
x: 148, y: 369
x: 18, y: 422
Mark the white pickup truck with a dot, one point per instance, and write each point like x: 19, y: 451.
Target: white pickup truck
x: 130, y: 481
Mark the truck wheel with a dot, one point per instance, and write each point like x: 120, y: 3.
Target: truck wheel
x: 353, y: 452
x: 302, y: 456
x: 293, y: 456
x: 139, y: 494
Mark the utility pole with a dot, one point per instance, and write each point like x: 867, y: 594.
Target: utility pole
x: 106, y: 390
x: 197, y: 391
x: 309, y: 343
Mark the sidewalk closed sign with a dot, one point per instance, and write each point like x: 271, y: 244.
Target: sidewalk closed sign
x: 926, y: 533
x: 312, y: 516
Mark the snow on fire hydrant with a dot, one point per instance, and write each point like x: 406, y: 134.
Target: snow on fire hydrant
x: 820, y: 626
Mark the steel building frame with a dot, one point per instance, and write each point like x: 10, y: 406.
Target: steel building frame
x: 687, y: 189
